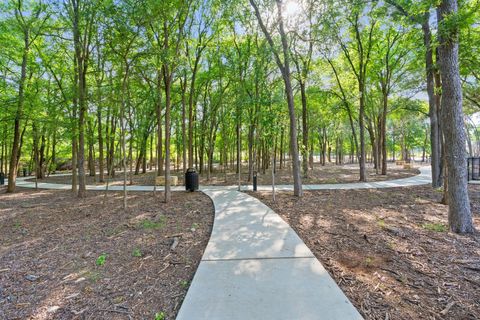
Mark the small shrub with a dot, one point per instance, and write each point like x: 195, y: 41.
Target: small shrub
x: 160, y: 315
x: 101, y: 260
x: 136, y: 253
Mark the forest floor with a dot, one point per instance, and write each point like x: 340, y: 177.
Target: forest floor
x: 329, y: 173
x: 67, y: 258
x: 390, y: 250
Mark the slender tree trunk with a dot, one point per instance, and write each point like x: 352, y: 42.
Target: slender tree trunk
x: 459, y: 215
x: 304, y: 129
x: 159, y: 127
x: 100, y: 145
x: 13, y: 168
x: 383, y: 133
x: 434, y: 124
x: 184, y: 126
x: 167, y: 82
x: 282, y: 152
x: 363, y: 173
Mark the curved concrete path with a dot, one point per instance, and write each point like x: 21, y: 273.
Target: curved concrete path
x: 255, y: 266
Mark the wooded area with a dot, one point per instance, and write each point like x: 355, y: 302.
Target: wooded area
x: 108, y: 87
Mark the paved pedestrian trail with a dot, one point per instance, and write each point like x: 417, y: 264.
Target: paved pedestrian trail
x: 255, y: 266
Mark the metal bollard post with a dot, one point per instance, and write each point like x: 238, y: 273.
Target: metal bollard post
x: 254, y: 180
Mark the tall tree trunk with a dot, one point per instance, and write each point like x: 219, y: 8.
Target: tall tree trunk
x: 159, y: 127
x: 13, y: 168
x: 100, y: 144
x: 435, y: 136
x: 282, y: 152
x: 167, y: 76
x: 304, y: 129
x: 284, y: 67
x: 383, y: 133
x: 184, y: 126
x: 459, y: 215
x: 361, y: 119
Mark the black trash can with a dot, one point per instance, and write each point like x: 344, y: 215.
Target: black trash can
x: 2, y: 178
x: 191, y: 180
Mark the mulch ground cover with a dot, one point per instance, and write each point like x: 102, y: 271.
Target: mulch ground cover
x: 390, y: 249
x: 67, y: 258
x: 321, y: 174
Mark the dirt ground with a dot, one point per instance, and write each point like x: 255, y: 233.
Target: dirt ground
x: 321, y: 174
x: 68, y: 258
x: 390, y: 250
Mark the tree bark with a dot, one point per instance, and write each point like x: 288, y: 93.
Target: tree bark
x: 459, y: 215
x: 13, y: 167
x: 284, y: 67
x: 435, y: 137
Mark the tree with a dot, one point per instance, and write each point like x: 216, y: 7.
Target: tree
x: 459, y: 215
x: 358, y: 52
x: 31, y: 27
x: 82, y: 15
x: 284, y: 66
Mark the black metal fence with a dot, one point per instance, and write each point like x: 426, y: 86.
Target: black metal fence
x: 473, y: 169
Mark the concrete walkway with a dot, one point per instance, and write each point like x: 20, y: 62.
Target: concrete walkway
x: 423, y: 178
x: 255, y: 266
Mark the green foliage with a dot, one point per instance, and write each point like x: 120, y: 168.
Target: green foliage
x: 160, y: 316
x: 101, y: 259
x: 184, y: 284
x: 381, y: 223
x: 153, y: 224
x: 136, y: 253
x: 437, y: 227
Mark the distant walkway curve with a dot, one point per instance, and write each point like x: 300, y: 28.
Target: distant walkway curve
x: 423, y: 178
x: 255, y: 266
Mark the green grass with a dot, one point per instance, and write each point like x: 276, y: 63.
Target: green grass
x: 381, y: 223
x: 155, y: 225
x: 92, y: 276
x: 184, y: 284
x: 17, y: 225
x: 437, y: 227
x: 160, y: 316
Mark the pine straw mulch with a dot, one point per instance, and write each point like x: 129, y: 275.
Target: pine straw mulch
x: 389, y: 249
x: 51, y: 245
x: 329, y: 173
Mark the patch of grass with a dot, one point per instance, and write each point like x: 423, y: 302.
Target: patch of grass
x: 368, y: 261
x: 437, y: 227
x: 93, y: 276
x: 184, y: 284
x: 330, y: 181
x: 113, y: 231
x: 439, y: 190
x: 136, y: 253
x: 381, y: 223
x: 160, y: 316
x: 17, y: 225
x: 101, y: 259
x: 151, y: 224
x: 391, y: 245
